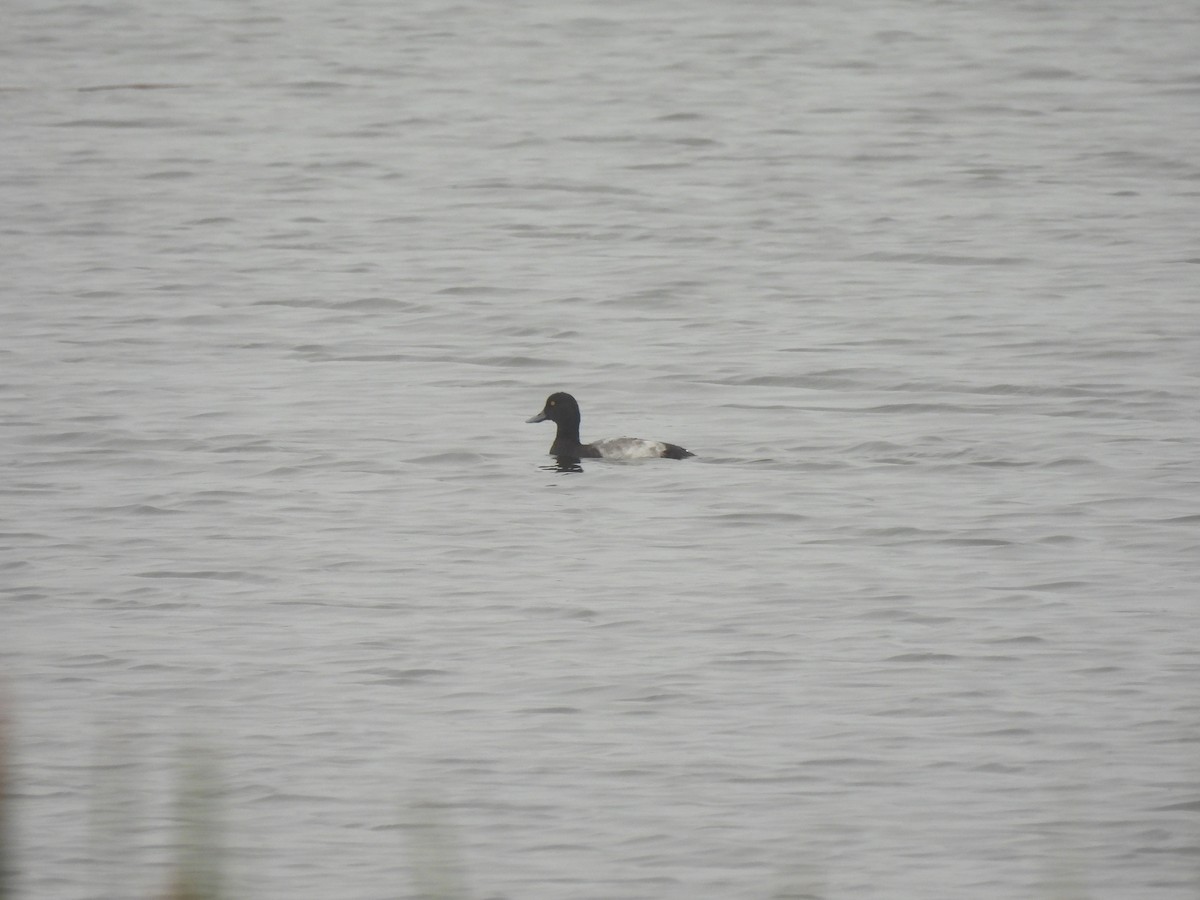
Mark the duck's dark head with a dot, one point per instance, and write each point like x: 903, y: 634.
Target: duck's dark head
x: 560, y: 408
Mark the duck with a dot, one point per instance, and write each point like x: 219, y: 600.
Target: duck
x: 563, y: 409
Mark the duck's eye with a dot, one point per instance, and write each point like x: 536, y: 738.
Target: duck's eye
x: 552, y: 402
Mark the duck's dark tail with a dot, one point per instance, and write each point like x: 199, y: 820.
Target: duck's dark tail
x: 674, y: 451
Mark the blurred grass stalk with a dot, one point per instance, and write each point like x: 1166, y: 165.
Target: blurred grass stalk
x: 437, y: 872
x: 198, y: 873
x: 5, y: 834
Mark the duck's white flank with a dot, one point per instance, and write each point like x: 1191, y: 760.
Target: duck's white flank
x: 630, y: 448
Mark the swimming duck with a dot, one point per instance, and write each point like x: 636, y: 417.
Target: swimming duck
x: 563, y: 409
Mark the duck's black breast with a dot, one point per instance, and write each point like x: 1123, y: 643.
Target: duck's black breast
x: 574, y: 449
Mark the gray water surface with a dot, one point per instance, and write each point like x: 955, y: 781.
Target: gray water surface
x: 916, y: 280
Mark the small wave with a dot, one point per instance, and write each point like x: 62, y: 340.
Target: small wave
x: 975, y: 542
x: 1186, y: 806
x: 148, y: 122
x: 1058, y: 539
x: 454, y: 458
x: 133, y: 86
x: 813, y: 381
x: 767, y: 518
x: 1050, y: 586
x: 202, y: 574
x: 1047, y: 73
x: 513, y: 362
x: 920, y: 408
x: 145, y: 509
x: 942, y: 259
x: 403, y: 676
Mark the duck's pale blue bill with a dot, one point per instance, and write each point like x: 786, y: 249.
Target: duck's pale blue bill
x: 540, y: 417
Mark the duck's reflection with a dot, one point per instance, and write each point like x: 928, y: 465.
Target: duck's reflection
x: 564, y: 464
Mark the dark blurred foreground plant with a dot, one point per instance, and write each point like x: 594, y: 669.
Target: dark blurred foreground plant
x: 5, y: 847
x: 198, y: 871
